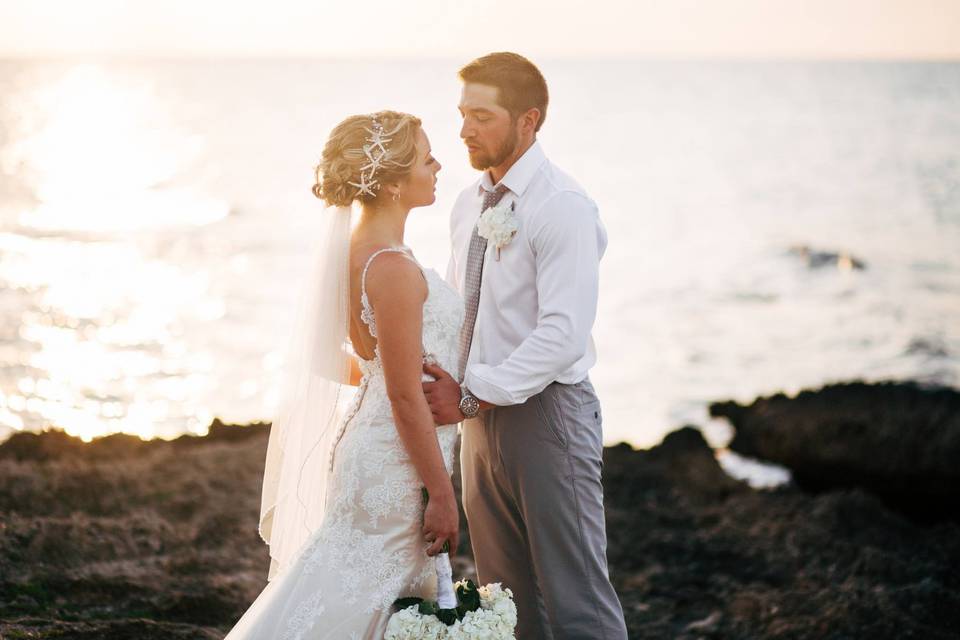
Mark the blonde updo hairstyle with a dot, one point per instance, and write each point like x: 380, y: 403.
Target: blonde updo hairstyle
x: 343, y: 157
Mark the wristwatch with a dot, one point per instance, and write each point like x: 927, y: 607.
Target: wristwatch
x: 469, y: 406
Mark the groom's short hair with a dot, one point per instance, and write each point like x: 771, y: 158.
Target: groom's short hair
x: 520, y: 83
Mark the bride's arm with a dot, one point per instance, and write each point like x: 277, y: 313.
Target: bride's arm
x: 397, y: 290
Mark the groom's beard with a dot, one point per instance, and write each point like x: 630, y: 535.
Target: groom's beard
x: 498, y: 157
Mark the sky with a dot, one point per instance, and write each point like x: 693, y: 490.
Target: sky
x: 439, y: 28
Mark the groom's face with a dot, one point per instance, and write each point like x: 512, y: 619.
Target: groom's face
x: 488, y: 130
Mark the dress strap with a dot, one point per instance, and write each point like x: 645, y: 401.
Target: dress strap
x: 366, y: 313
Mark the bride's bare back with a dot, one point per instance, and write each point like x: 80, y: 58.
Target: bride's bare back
x: 393, y: 278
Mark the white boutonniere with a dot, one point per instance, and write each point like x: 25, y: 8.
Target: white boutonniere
x: 498, y: 224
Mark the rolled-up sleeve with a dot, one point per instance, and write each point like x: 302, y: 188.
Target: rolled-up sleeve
x: 568, y: 240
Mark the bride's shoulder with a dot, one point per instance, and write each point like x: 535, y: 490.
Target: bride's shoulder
x: 364, y: 255
x: 392, y: 273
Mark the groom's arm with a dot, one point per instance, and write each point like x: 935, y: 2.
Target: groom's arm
x: 443, y: 396
x: 568, y: 240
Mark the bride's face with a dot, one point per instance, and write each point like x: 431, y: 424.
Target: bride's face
x: 419, y: 189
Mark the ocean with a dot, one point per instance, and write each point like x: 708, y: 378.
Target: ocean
x: 773, y: 226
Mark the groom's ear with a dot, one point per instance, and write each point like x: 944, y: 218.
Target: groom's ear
x: 529, y: 120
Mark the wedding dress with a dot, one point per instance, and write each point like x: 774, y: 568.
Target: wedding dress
x: 369, y: 550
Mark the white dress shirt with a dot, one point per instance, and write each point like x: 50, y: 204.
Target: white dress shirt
x: 539, y: 300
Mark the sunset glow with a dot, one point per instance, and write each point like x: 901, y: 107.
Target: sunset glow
x: 436, y: 28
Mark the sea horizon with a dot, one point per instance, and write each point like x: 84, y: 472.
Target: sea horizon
x: 155, y: 218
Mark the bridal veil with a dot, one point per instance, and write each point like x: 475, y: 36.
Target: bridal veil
x: 315, y: 371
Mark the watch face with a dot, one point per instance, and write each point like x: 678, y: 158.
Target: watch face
x: 469, y: 406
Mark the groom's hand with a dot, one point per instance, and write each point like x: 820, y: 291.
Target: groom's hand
x: 443, y: 395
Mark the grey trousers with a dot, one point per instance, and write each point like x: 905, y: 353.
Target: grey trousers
x: 534, y: 505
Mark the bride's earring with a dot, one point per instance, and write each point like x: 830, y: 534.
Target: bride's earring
x: 396, y: 196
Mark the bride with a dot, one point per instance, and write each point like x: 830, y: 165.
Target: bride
x: 342, y: 506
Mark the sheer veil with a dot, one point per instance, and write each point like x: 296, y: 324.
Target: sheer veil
x: 315, y: 371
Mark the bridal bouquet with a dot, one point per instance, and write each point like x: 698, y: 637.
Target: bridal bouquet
x: 486, y: 612
x: 462, y: 611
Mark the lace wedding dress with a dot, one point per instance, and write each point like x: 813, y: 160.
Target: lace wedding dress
x: 369, y: 550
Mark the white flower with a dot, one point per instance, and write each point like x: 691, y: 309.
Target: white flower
x: 475, y: 624
x: 496, y: 619
x: 409, y: 624
x: 498, y: 224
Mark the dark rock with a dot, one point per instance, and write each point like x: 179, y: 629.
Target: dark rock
x: 930, y: 347
x: 683, y: 464
x: 221, y: 432
x: 25, y: 445
x: 900, y: 441
x: 54, y: 444
x: 816, y: 259
x: 125, y: 629
x: 778, y: 564
x: 164, y: 545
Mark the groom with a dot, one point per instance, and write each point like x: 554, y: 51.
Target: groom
x: 532, y: 437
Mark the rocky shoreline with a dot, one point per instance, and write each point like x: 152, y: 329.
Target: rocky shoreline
x: 121, y: 538
x: 898, y: 441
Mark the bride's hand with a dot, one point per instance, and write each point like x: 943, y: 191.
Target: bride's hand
x: 441, y: 522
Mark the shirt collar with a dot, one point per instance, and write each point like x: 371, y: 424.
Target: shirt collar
x: 518, y: 177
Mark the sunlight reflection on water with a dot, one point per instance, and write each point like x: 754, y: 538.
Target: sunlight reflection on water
x: 155, y: 219
x: 105, y: 322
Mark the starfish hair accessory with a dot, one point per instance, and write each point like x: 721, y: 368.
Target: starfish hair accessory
x: 376, y: 153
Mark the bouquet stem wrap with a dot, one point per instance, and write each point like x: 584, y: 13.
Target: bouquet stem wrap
x: 446, y: 597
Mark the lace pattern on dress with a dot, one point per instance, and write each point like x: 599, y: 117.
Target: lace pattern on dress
x: 303, y: 617
x: 368, y: 551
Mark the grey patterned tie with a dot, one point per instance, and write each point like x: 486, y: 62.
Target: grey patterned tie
x: 471, y: 297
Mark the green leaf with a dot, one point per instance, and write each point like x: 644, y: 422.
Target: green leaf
x: 428, y: 608
x: 403, y: 603
x: 447, y: 616
x: 469, y: 596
